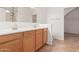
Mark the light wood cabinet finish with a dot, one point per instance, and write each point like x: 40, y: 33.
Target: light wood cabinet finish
x: 9, y: 37
x: 11, y: 42
x: 29, y: 41
x: 39, y: 39
x: 13, y: 46
x: 45, y: 35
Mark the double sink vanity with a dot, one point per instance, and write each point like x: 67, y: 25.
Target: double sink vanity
x: 23, y: 40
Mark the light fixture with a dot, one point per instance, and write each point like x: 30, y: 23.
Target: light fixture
x: 7, y: 11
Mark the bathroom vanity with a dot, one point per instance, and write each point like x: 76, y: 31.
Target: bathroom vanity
x: 23, y: 40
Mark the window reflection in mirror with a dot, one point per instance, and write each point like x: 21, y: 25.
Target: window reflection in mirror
x: 18, y: 14
x: 7, y: 14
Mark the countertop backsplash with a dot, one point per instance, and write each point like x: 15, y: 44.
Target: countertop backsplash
x: 8, y: 25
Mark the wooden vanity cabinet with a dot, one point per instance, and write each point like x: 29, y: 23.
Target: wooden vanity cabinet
x: 11, y: 43
x: 39, y: 39
x: 33, y: 40
x: 29, y: 41
x: 45, y: 35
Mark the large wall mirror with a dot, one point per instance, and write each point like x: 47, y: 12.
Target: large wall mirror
x: 18, y: 14
x: 7, y: 14
x: 23, y: 14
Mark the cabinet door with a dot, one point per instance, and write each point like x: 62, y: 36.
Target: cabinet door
x: 29, y: 41
x: 5, y: 38
x: 39, y: 38
x: 12, y: 46
x: 45, y: 36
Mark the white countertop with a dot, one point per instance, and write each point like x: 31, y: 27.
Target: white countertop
x: 11, y: 31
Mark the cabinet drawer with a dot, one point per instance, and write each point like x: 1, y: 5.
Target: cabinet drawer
x: 13, y: 46
x: 29, y: 33
x: 10, y: 37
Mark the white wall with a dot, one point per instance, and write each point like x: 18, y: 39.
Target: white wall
x: 56, y: 18
x: 24, y: 14
x: 72, y: 21
x: 2, y: 14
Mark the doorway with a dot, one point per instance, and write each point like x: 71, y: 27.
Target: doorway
x: 71, y: 29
